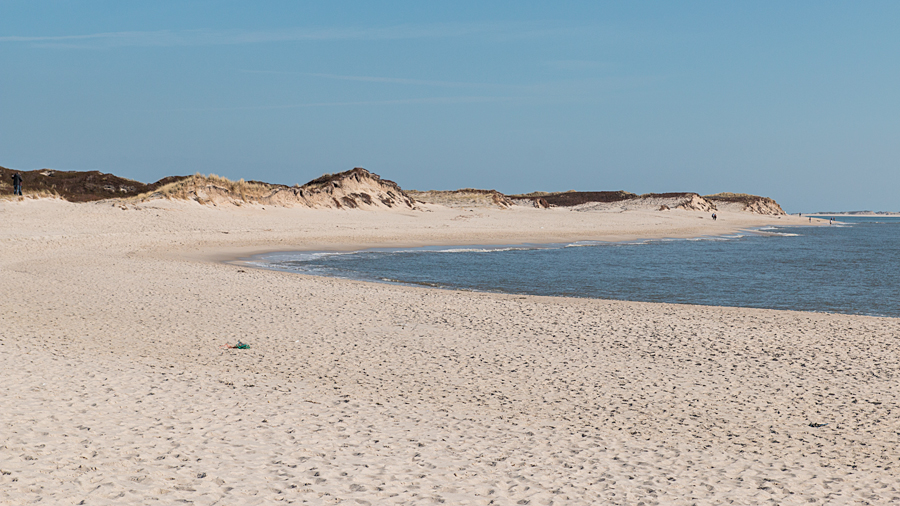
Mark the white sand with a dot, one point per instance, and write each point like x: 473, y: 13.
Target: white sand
x: 117, y: 390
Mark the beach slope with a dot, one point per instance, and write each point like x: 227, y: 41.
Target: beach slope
x: 117, y: 387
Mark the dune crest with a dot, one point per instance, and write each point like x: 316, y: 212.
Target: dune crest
x: 353, y: 189
x: 360, y: 189
x: 746, y: 203
x: 466, y: 197
x: 625, y: 201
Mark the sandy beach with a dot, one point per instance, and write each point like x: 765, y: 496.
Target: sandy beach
x: 118, y: 390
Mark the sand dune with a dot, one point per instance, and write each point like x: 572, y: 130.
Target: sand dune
x: 356, y: 189
x: 118, y: 389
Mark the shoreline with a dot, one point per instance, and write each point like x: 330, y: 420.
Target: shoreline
x: 561, y: 298
x: 851, y: 215
x: 266, y: 261
x: 747, y: 224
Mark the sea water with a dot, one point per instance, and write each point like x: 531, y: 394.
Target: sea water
x: 851, y: 267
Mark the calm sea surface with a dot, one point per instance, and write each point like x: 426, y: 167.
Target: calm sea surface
x: 852, y: 267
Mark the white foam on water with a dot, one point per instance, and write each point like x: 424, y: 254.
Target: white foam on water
x: 473, y: 250
x: 299, y: 256
x: 583, y: 244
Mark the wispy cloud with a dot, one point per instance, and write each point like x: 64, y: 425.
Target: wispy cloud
x: 577, y: 65
x: 405, y: 101
x: 163, y: 38
x: 376, y: 79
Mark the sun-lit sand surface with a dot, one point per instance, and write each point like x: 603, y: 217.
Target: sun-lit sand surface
x: 117, y: 390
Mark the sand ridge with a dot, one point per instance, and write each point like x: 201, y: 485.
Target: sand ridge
x: 118, y: 389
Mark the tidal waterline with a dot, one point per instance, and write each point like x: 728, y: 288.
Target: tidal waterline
x: 852, y: 267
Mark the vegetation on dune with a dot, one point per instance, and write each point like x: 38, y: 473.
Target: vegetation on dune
x: 574, y: 198
x: 185, y: 188
x: 7, y: 194
x: 75, y: 186
x: 461, y: 198
x: 733, y: 197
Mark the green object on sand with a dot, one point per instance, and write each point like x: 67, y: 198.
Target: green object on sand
x: 241, y: 346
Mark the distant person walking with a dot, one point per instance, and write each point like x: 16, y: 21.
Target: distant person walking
x: 714, y: 216
x: 17, y: 184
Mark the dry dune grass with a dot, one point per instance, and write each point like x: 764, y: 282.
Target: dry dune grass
x: 187, y: 187
x: 36, y: 194
x: 466, y: 197
x: 728, y: 195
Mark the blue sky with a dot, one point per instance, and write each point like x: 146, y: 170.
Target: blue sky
x: 799, y: 101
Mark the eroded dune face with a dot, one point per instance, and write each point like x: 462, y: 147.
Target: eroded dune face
x: 696, y: 203
x: 741, y: 202
x: 357, y: 188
